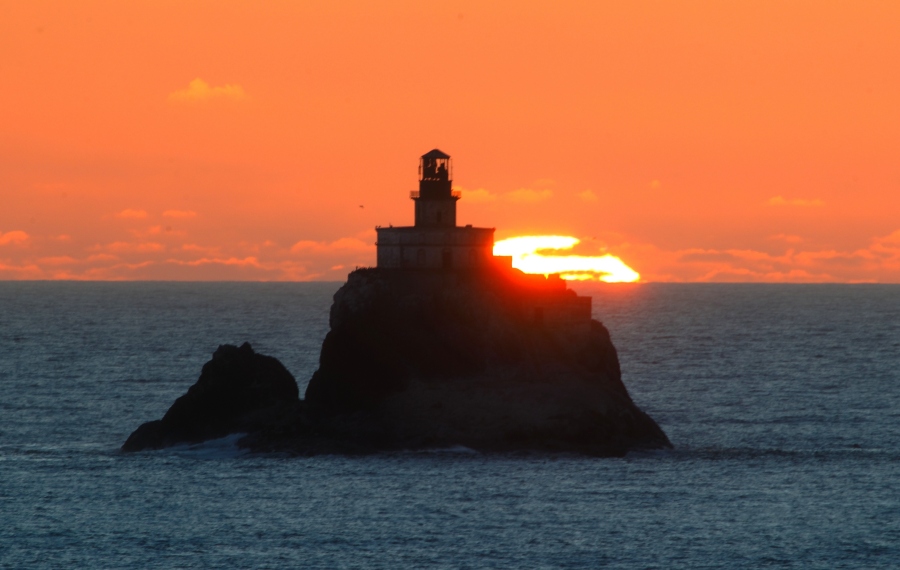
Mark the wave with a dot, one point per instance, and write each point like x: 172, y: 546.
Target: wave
x: 222, y: 448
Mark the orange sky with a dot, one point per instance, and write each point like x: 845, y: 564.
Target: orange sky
x: 748, y: 141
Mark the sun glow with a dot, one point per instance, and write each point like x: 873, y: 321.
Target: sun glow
x: 528, y: 255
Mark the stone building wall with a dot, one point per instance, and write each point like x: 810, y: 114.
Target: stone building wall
x: 436, y: 213
x: 454, y: 247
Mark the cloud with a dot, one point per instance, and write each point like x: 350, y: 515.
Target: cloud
x: 128, y: 247
x: 99, y: 257
x: 16, y: 237
x: 209, y: 251
x: 604, y: 254
x: 162, y: 257
x: 528, y: 195
x: 781, y: 201
x: 199, y: 91
x: 342, y: 245
x: 329, y: 260
x: 24, y: 271
x: 587, y: 196
x: 245, y: 262
x: 891, y: 241
x: 521, y: 196
x: 154, y: 232
x: 180, y: 214
x: 879, y: 261
x: 57, y: 260
x: 479, y: 195
x: 129, y: 214
x: 250, y: 267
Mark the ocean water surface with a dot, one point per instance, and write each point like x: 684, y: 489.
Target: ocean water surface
x: 782, y: 401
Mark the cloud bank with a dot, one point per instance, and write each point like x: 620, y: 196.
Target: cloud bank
x: 148, y: 251
x: 878, y: 262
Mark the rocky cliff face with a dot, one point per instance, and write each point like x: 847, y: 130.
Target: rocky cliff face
x: 438, y: 359
x: 426, y: 359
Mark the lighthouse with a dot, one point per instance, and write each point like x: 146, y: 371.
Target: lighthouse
x: 435, y: 241
x: 435, y: 200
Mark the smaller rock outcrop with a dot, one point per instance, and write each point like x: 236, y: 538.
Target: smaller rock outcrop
x: 238, y: 391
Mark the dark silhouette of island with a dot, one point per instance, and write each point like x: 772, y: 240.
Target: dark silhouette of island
x: 442, y: 344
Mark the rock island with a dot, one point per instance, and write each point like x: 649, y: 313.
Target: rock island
x: 442, y: 344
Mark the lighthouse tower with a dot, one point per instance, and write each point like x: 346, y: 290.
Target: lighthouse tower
x: 435, y: 200
x: 435, y: 241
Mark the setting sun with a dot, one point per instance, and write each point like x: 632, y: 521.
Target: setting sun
x: 528, y: 255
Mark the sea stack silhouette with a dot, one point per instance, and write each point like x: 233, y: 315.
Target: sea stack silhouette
x: 442, y: 344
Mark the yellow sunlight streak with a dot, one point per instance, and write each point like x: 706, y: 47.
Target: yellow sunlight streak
x: 527, y: 255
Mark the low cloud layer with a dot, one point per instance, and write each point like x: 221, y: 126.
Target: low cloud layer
x: 879, y: 261
x: 144, y: 250
x: 343, y: 245
x: 199, y: 91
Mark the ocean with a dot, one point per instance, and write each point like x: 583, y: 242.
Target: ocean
x: 782, y: 402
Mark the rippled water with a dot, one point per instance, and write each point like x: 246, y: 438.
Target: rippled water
x: 783, y: 402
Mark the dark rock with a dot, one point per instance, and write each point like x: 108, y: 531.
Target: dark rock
x: 418, y: 359
x: 423, y: 359
x: 238, y: 391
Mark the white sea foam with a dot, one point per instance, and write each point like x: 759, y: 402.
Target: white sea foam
x: 222, y: 448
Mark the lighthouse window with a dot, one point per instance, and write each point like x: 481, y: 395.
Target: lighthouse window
x: 420, y: 257
x: 438, y: 217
